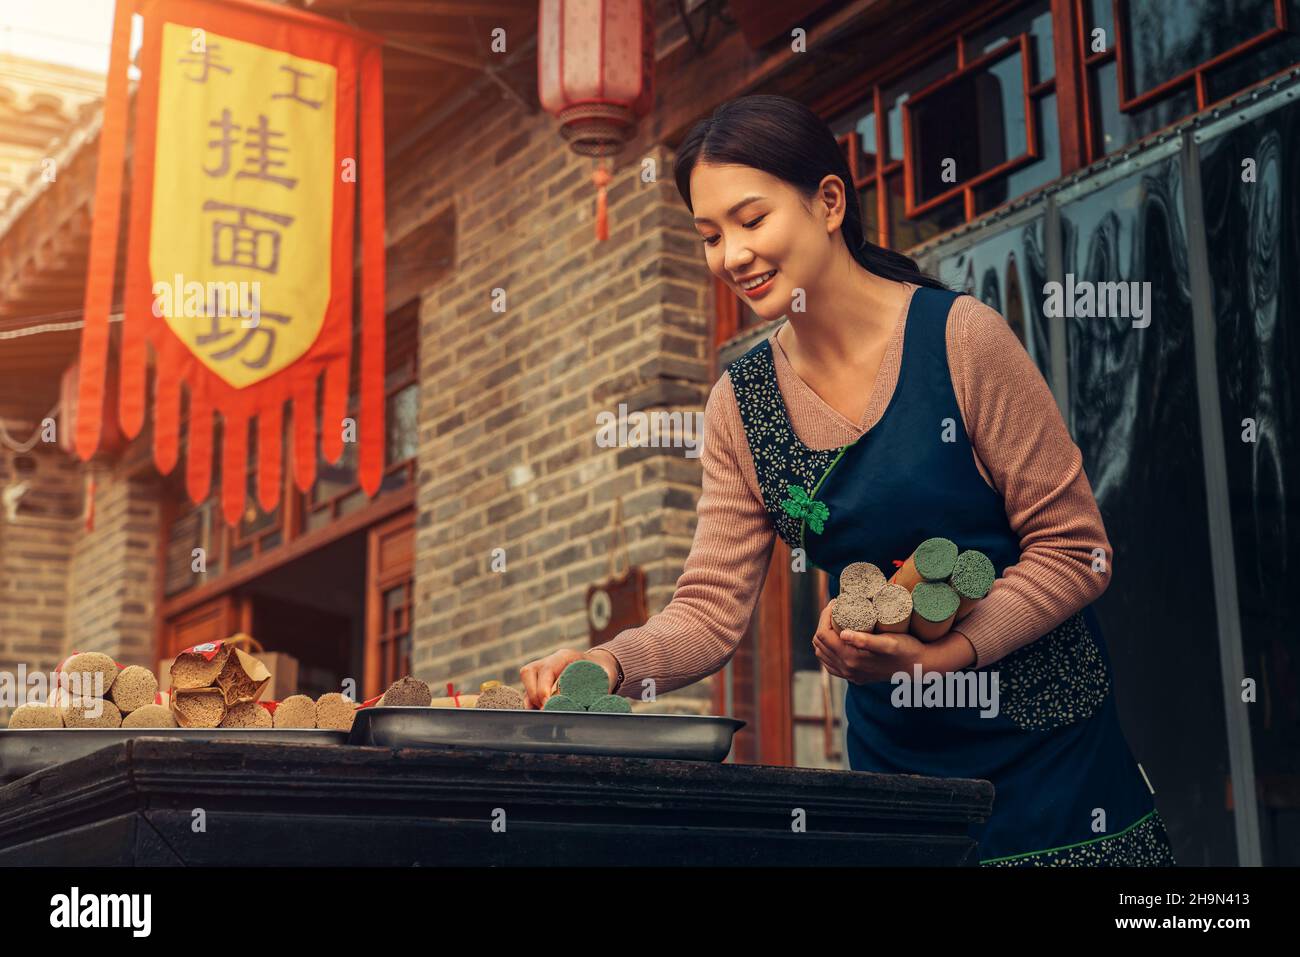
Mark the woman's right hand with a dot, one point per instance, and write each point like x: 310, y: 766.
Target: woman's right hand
x: 540, y: 676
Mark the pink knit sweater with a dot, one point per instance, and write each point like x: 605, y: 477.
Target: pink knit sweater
x: 1022, y: 449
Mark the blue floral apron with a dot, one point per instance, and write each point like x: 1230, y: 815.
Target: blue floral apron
x: 1067, y: 790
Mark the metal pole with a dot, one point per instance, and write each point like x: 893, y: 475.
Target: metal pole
x: 1053, y: 248
x: 1223, y: 563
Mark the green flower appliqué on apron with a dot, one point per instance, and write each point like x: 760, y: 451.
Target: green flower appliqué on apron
x: 802, y: 506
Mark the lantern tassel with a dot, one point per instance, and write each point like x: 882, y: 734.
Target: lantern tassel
x: 601, y: 178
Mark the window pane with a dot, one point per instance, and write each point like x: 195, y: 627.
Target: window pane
x: 1007, y: 271
x: 185, y: 534
x: 394, y: 480
x: 255, y: 520
x: 865, y: 126
x: 402, y: 424
x: 1134, y: 415
x: 1166, y: 38
x: 394, y: 598
x: 1250, y: 232
x: 1099, y: 13
x: 977, y: 120
x: 1115, y: 130
x: 317, y: 519
x: 1028, y: 178
x: 906, y: 233
x: 1036, y: 20
x: 352, y: 502
x: 893, y: 96
x: 334, y: 479
x: 1241, y: 72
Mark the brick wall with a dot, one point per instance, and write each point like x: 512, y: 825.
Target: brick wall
x: 35, y: 550
x: 508, y: 455
x: 112, y: 575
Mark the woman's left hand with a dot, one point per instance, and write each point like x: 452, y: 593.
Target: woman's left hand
x: 860, y: 657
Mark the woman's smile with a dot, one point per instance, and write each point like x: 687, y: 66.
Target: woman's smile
x: 754, y: 288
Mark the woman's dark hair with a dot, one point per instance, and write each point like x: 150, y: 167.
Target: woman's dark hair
x: 785, y: 139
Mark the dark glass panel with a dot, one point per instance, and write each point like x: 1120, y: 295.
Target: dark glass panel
x: 1253, y: 233
x: 1134, y: 414
x: 977, y: 120
x: 1038, y: 173
x: 1166, y: 38
x: 864, y: 124
x: 893, y: 96
x: 335, y: 478
x: 352, y: 501
x: 394, y: 598
x: 254, y: 519
x: 402, y: 422
x: 393, y: 480
x: 866, y: 128
x: 1224, y: 81
x: 1007, y: 271
x: 1036, y: 20
x: 183, y: 536
x: 402, y: 345
x: 317, y: 519
x: 1115, y: 130
x: 906, y: 233
x: 1099, y: 14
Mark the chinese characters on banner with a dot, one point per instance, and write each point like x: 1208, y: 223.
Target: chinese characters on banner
x: 244, y: 186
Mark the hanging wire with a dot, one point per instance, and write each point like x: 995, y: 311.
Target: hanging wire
x: 22, y: 448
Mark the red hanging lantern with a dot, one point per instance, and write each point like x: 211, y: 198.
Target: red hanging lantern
x: 595, y: 74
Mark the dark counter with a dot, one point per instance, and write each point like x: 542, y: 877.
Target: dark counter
x: 281, y: 804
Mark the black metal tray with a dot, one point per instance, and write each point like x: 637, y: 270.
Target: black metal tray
x: 686, y: 737
x: 25, y: 750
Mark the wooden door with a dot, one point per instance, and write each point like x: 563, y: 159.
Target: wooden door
x: 213, y: 620
x: 390, y: 566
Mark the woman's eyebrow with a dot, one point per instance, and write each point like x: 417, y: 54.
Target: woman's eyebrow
x: 730, y: 212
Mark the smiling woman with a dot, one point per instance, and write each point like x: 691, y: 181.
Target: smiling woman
x: 765, y: 159
x: 957, y: 437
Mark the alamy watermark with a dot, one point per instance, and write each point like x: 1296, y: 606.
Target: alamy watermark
x: 1083, y: 299
x: 197, y: 300
x: 128, y: 911
x: 84, y: 690
x: 658, y: 429
x: 946, y: 689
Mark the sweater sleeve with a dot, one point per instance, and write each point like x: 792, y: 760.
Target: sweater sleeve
x: 1025, y: 448
x: 699, y: 630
